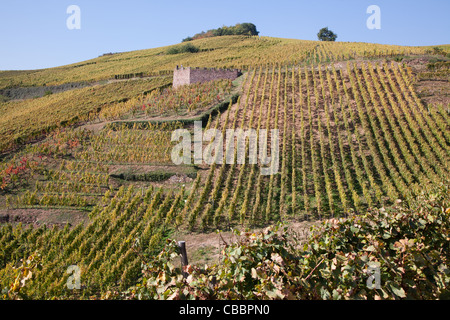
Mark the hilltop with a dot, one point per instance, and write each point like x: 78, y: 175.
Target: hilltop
x: 220, y: 52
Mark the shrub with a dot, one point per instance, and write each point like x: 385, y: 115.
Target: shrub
x: 154, y: 176
x: 248, y: 29
x: 438, y: 65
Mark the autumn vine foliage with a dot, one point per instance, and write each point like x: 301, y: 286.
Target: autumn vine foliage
x: 408, y: 245
x: 353, y: 137
x: 13, y: 173
x: 248, y: 29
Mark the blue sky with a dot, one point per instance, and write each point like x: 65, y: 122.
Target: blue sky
x: 34, y: 33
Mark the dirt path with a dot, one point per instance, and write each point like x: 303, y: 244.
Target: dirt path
x: 205, y: 248
x: 39, y: 217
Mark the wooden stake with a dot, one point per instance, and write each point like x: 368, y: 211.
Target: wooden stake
x: 184, y: 258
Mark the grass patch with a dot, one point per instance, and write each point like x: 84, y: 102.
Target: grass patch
x: 153, y: 174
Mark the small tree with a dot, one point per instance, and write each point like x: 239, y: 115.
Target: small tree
x: 326, y: 35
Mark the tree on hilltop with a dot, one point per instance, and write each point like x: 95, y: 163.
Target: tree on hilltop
x: 326, y: 35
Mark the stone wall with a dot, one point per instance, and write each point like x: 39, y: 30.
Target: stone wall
x: 203, y: 75
x: 182, y: 76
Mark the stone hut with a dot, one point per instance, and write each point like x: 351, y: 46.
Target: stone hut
x: 182, y: 76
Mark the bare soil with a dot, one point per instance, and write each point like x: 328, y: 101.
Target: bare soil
x: 431, y: 91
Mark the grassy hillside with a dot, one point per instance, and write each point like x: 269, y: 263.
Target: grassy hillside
x: 225, y: 51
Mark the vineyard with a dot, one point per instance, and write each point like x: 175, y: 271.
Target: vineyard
x: 104, y: 249
x: 354, y: 134
x: 191, y: 98
x: 350, y: 139
x: 26, y: 120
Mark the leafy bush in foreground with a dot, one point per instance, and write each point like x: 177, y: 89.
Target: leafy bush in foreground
x: 409, y: 247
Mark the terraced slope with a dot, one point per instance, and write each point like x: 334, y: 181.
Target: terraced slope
x: 352, y: 135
